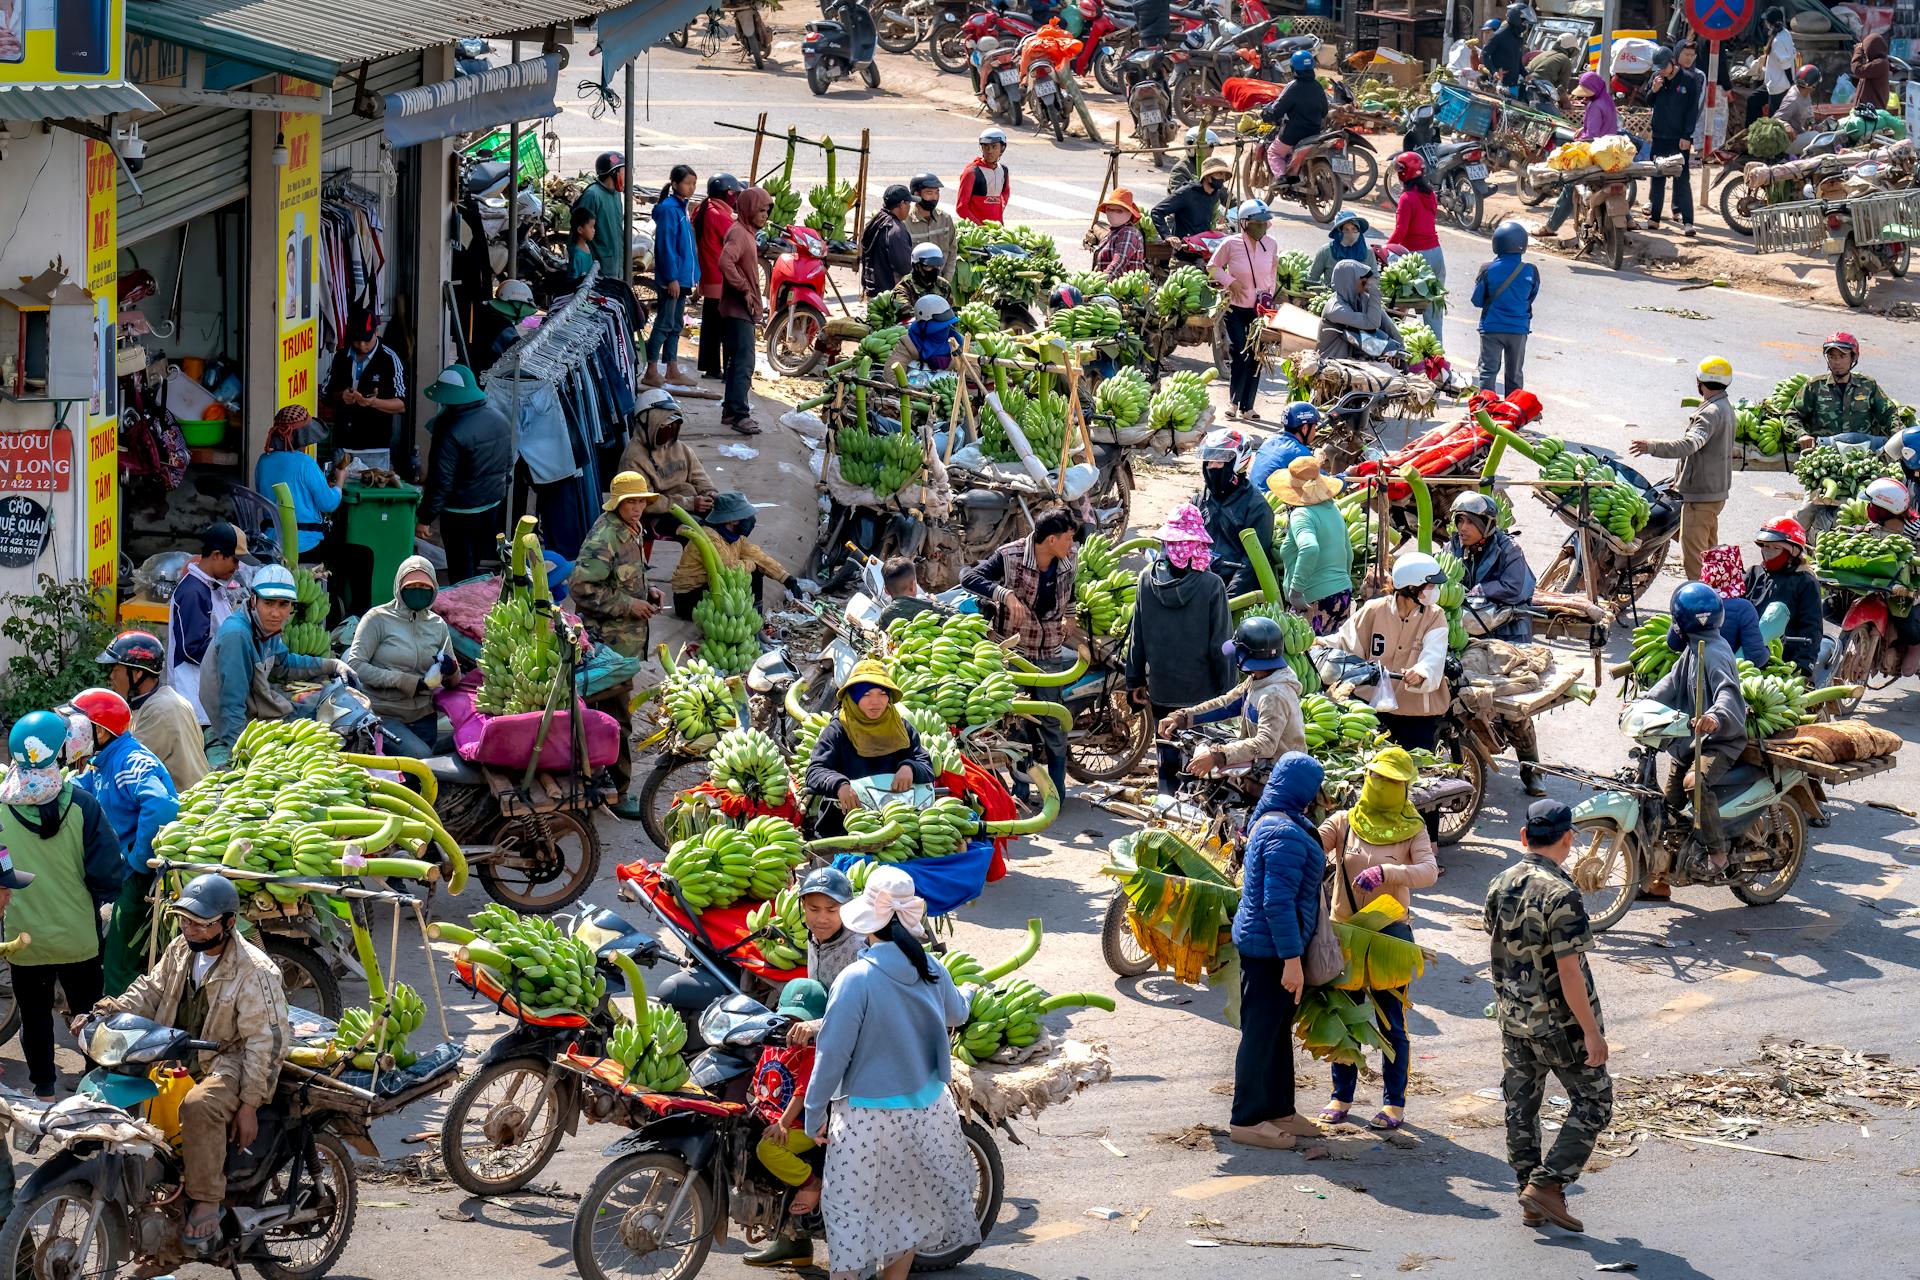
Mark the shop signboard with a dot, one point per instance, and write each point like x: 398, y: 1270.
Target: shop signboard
x: 37, y: 461
x: 297, y: 265
x: 62, y: 42
x: 101, y: 505
x: 24, y: 525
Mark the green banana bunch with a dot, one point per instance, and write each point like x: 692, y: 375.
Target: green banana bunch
x: 936, y: 737
x: 749, y: 763
x: 543, y: 968
x: 1009, y: 1013
x: 1650, y: 656
x: 1185, y: 292
x: 829, y: 203
x: 367, y: 1035
x: 1410, y: 278
x: 1421, y: 342
x: 648, y: 1050
x: 1865, y: 551
x: 1617, y: 505
x: 519, y: 652
x: 946, y: 826
x: 885, y: 464
x: 697, y: 699
x: 1786, y: 392
x: 901, y: 813
x: 1181, y: 400
x: 951, y: 666
x: 1088, y: 322
x: 978, y: 318
x: 883, y: 311
x: 805, y: 735
x: 879, y: 344
x: 858, y: 873
x: 787, y: 947
x: 1107, y: 602
x: 1290, y: 272
x: 1837, y: 474
x: 723, y: 864
x: 1334, y: 725
x: 1124, y: 397
x: 1132, y: 289
x: 729, y: 623
x: 1762, y: 426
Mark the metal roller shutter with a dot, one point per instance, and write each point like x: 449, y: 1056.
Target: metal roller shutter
x: 387, y: 75
x: 196, y: 161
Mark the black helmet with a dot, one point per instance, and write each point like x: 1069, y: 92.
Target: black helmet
x: 208, y: 897
x: 137, y: 649
x: 1480, y: 507
x: 608, y: 162
x: 921, y: 181
x: 722, y: 185
x: 1258, y: 644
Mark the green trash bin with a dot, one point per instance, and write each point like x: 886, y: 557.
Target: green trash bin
x: 383, y: 519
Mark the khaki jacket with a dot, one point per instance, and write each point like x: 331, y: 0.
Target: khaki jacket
x: 691, y: 573
x: 672, y: 470
x: 1407, y: 865
x: 1379, y: 634
x: 246, y: 1013
x: 167, y: 725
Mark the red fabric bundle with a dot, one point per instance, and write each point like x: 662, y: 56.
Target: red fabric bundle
x: 724, y: 926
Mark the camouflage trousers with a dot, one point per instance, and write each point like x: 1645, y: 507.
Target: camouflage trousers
x: 1525, y: 1065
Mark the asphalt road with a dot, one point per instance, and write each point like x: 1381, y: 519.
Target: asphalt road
x: 1695, y: 985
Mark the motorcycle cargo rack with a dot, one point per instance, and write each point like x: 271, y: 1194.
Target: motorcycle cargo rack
x: 1465, y: 113
x: 1799, y: 226
x: 1886, y: 217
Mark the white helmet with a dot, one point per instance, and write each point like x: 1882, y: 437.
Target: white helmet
x: 929, y: 252
x: 991, y: 135
x: 1224, y: 444
x: 531, y: 206
x: 274, y: 582
x: 1193, y: 136
x: 931, y: 306
x: 1416, y: 569
x: 1889, y: 494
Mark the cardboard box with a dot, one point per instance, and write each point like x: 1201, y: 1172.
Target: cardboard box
x: 1396, y: 68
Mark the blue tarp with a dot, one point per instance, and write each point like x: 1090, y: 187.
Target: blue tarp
x: 627, y: 33
x: 946, y: 883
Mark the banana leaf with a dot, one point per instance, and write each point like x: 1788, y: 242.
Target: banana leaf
x: 1336, y: 1027
x: 1377, y: 961
x: 1173, y: 887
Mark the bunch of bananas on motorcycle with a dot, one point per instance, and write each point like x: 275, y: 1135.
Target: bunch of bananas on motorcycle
x: 1334, y: 725
x: 1088, y: 322
x: 1612, y: 502
x: 1181, y: 401
x: 783, y: 930
x: 519, y: 652
x: 648, y: 1050
x: 885, y: 464
x: 697, y: 697
x: 1104, y: 591
x: 543, y: 969
x: 942, y: 828
x: 749, y: 763
x: 951, y: 666
x: 723, y: 864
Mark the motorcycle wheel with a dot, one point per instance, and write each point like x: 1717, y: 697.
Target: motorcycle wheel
x: 1057, y: 116
x: 817, y: 80
x: 1461, y: 202
x: 947, y: 45
x: 1320, y: 191
x: 1187, y: 85
x: 1366, y: 173
x: 1254, y: 176
x: 1222, y: 348
x: 1737, y: 203
x: 989, y: 1187
x: 1789, y: 831
x: 1455, y: 823
x: 1118, y: 947
x: 1014, y: 110
x: 309, y: 981
x: 1530, y: 195
x: 543, y: 863
x: 309, y: 1250
x: 1900, y: 257
x: 1850, y: 274
x: 1112, y: 736
x: 753, y: 42
x: 624, y: 1206
x: 502, y: 1126
x: 1605, y: 866
x: 1106, y: 68
x: 672, y: 774
x: 792, y: 339
x: 55, y: 1223
x: 896, y: 37
x: 871, y: 74
x: 1613, y: 245
x: 1855, y: 656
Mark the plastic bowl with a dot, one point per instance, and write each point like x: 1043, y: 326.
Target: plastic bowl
x: 203, y: 433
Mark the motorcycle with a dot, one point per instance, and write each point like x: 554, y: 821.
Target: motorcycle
x: 796, y: 289
x: 1738, y: 201
x: 1627, y: 831
x: 1232, y: 52
x: 1858, y: 247
x: 109, y: 1196
x: 996, y: 79
x: 1317, y: 170
x: 1143, y: 74
x: 899, y: 27
x: 1045, y: 98
x: 1619, y: 580
x: 689, y: 1165
x: 1456, y: 170
x: 1600, y: 220
x: 840, y: 44
x: 1869, y: 653
x: 957, y: 30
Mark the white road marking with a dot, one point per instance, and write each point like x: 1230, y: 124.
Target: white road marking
x: 1053, y: 210
x: 1065, y: 188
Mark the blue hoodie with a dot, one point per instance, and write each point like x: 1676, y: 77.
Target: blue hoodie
x: 1275, y: 455
x: 1512, y: 311
x: 1280, y: 887
x: 136, y: 794
x: 885, y: 1043
x: 674, y: 258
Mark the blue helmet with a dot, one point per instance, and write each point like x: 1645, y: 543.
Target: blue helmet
x: 1910, y: 448
x: 36, y: 739
x: 1299, y: 416
x: 1301, y: 62
x: 1697, y: 609
x: 1509, y: 237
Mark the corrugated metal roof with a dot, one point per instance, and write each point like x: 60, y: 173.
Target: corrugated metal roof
x: 317, y: 39
x: 71, y: 101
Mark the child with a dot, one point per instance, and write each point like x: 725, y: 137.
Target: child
x: 580, y: 257
x: 1504, y: 291
x: 831, y: 946
x: 779, y: 1096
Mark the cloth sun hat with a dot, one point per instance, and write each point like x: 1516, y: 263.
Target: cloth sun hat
x: 1121, y: 198
x: 456, y: 385
x: 889, y: 896
x: 1302, y: 485
x: 804, y: 998
x: 728, y: 507
x: 1185, y: 525
x: 513, y: 298
x: 628, y: 484
x: 1216, y: 165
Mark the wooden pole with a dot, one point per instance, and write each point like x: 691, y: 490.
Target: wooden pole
x: 759, y: 137
x: 959, y: 395
x: 1706, y: 136
x: 860, y: 216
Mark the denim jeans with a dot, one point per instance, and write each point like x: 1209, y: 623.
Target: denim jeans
x: 663, y: 343
x: 1392, y: 1007
x: 414, y: 739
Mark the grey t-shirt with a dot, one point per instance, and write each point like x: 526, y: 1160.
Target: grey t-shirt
x: 826, y: 961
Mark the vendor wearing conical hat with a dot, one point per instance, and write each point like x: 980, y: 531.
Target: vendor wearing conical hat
x: 867, y: 738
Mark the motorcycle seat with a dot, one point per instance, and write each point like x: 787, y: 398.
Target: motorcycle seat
x: 453, y: 771
x: 1736, y: 780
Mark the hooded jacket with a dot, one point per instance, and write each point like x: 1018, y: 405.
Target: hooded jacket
x: 1181, y: 625
x: 740, y: 259
x: 1872, y: 73
x: 1300, y: 110
x: 1503, y: 55
x: 1602, y: 118
x: 884, y: 1043
x: 134, y: 792
x: 1498, y: 573
x: 469, y: 461
x: 394, y: 648
x: 1280, y: 886
x: 71, y: 850
x: 1270, y: 718
x: 675, y: 258
x: 886, y: 253
x: 1350, y: 311
x: 1676, y: 689
x: 1244, y: 508
x: 1677, y: 103
x: 1320, y: 272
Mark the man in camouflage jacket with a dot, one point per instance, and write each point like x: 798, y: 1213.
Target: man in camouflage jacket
x: 1549, y: 1014
x: 1845, y: 400
x: 610, y: 592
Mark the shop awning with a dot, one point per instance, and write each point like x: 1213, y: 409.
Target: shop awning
x: 71, y: 101
x: 629, y: 31
x: 468, y: 104
x: 319, y: 39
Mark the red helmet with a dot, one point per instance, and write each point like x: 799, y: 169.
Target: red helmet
x: 104, y: 708
x: 1784, y: 530
x: 1845, y: 341
x: 1409, y: 165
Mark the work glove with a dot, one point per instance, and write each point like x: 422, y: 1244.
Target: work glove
x: 1370, y: 879
x: 803, y: 588
x: 449, y: 669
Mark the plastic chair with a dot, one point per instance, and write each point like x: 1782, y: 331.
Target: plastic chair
x: 259, y: 519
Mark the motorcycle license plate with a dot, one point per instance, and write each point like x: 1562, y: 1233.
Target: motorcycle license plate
x: 1009, y: 77
x: 1044, y: 88
x: 1477, y: 173
x: 1149, y: 118
x: 1343, y: 165
x: 1833, y: 246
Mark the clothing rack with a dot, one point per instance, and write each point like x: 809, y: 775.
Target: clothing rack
x: 569, y: 329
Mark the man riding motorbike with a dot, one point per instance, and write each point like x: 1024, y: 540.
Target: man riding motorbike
x: 1228, y: 505
x: 927, y: 277
x: 1719, y: 718
x: 1298, y: 426
x: 1843, y: 400
x: 1267, y: 702
x: 249, y: 655
x: 214, y: 985
x: 1497, y: 572
x: 1298, y: 113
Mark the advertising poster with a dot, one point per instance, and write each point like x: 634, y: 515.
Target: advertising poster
x: 297, y: 265
x: 102, y: 503
x: 50, y: 42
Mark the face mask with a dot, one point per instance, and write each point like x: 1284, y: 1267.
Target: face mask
x: 208, y: 944
x: 1429, y: 596
x: 1775, y: 562
x: 416, y: 598
x: 732, y: 532
x: 1189, y: 555
x: 1221, y: 481
x: 930, y: 205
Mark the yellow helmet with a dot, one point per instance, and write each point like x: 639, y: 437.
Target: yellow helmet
x: 1714, y: 371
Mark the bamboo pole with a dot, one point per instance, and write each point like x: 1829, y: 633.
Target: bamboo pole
x: 759, y: 137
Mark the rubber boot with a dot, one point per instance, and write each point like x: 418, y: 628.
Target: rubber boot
x: 627, y: 809
x: 782, y: 1251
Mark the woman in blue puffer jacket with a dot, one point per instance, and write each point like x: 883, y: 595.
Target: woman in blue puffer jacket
x: 1279, y: 908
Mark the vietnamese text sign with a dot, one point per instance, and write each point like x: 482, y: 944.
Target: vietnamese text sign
x: 297, y: 265
x: 37, y: 461
x: 100, y: 505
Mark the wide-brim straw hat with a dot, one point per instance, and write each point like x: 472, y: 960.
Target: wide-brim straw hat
x: 1302, y: 484
x: 628, y: 484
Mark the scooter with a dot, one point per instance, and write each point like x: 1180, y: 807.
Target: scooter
x: 1315, y: 177
x: 957, y: 30
x: 996, y: 79
x: 1856, y: 263
x: 1044, y: 95
x: 1869, y: 653
x: 1144, y: 73
x: 796, y: 290
x: 840, y: 44
x: 1627, y: 832
x: 1457, y: 170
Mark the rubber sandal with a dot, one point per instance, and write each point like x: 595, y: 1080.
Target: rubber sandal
x: 1385, y: 1122
x: 1334, y: 1115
